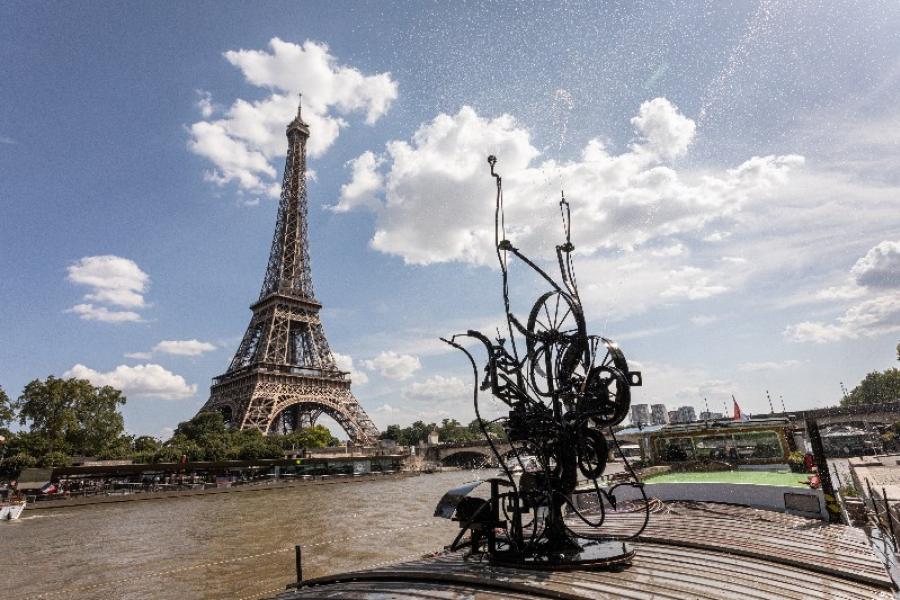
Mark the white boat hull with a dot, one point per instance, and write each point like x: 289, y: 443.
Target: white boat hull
x: 10, y: 512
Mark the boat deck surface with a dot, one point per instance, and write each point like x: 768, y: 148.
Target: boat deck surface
x: 689, y: 551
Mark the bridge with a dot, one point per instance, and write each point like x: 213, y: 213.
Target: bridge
x: 467, y: 454
x: 865, y: 416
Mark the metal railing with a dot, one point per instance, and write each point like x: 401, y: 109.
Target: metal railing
x: 885, y: 518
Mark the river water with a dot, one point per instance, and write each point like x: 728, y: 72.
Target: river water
x: 238, y: 545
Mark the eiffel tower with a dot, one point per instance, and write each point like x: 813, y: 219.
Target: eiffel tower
x: 283, y: 375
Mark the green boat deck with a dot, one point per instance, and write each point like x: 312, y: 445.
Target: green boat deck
x: 782, y: 478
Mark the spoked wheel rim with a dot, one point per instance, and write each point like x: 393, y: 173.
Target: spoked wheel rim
x: 556, y: 341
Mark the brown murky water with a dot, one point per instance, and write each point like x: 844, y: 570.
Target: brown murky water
x: 224, y: 545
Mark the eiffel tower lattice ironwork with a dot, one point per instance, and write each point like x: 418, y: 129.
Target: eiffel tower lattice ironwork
x: 283, y: 375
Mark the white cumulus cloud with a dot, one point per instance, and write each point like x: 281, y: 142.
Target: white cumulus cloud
x: 769, y: 365
x: 880, y: 267
x: 149, y: 380
x: 433, y: 194
x: 244, y: 142
x: 183, y: 347
x: 869, y: 318
x: 89, y: 312
x: 345, y: 363
x: 394, y: 366
x: 365, y: 183
x: 111, y: 279
x: 662, y: 129
x: 876, y: 278
x: 692, y: 283
x: 439, y: 388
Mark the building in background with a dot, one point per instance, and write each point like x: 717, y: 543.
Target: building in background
x: 640, y: 414
x: 711, y: 416
x: 673, y: 416
x: 685, y: 414
x: 659, y: 415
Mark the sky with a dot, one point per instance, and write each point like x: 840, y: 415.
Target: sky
x: 733, y: 171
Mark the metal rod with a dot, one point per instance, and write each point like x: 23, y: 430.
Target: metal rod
x: 298, y: 562
x: 888, y: 516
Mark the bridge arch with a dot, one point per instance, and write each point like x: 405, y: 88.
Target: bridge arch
x: 468, y: 457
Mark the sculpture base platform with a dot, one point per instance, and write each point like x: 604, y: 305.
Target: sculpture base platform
x: 592, y: 555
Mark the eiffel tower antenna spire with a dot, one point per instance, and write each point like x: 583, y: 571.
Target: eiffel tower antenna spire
x: 283, y: 375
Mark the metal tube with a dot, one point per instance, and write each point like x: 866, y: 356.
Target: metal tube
x: 298, y: 563
x: 889, y: 517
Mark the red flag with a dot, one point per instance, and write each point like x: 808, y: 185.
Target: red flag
x: 738, y: 416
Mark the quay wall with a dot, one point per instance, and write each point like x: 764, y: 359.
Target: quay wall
x: 261, y: 487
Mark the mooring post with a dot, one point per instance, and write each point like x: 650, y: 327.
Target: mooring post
x: 298, y: 561
x: 495, y: 516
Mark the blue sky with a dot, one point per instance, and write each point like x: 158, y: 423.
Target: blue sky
x: 733, y: 172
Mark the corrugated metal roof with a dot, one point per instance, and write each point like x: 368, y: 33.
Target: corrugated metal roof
x: 689, y: 551
x: 806, y: 543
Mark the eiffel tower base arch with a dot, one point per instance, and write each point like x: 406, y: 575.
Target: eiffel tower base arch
x: 256, y: 400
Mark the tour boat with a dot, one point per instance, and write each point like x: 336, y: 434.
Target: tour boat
x: 11, y: 510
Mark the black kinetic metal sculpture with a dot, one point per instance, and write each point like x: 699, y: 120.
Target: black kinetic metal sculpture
x: 564, y: 389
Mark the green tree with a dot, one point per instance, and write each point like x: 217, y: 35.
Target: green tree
x: 49, y: 408
x: 100, y: 429
x: 27, y: 443
x: 452, y: 430
x: 204, y: 437
x: 167, y: 454
x: 317, y: 436
x: 202, y: 425
x: 55, y: 459
x: 146, y: 443
x: 493, y: 428
x: 875, y: 388
x: 7, y: 412
x: 72, y: 415
x: 260, y: 449
x: 13, y: 464
x: 121, y: 448
x: 392, y: 432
